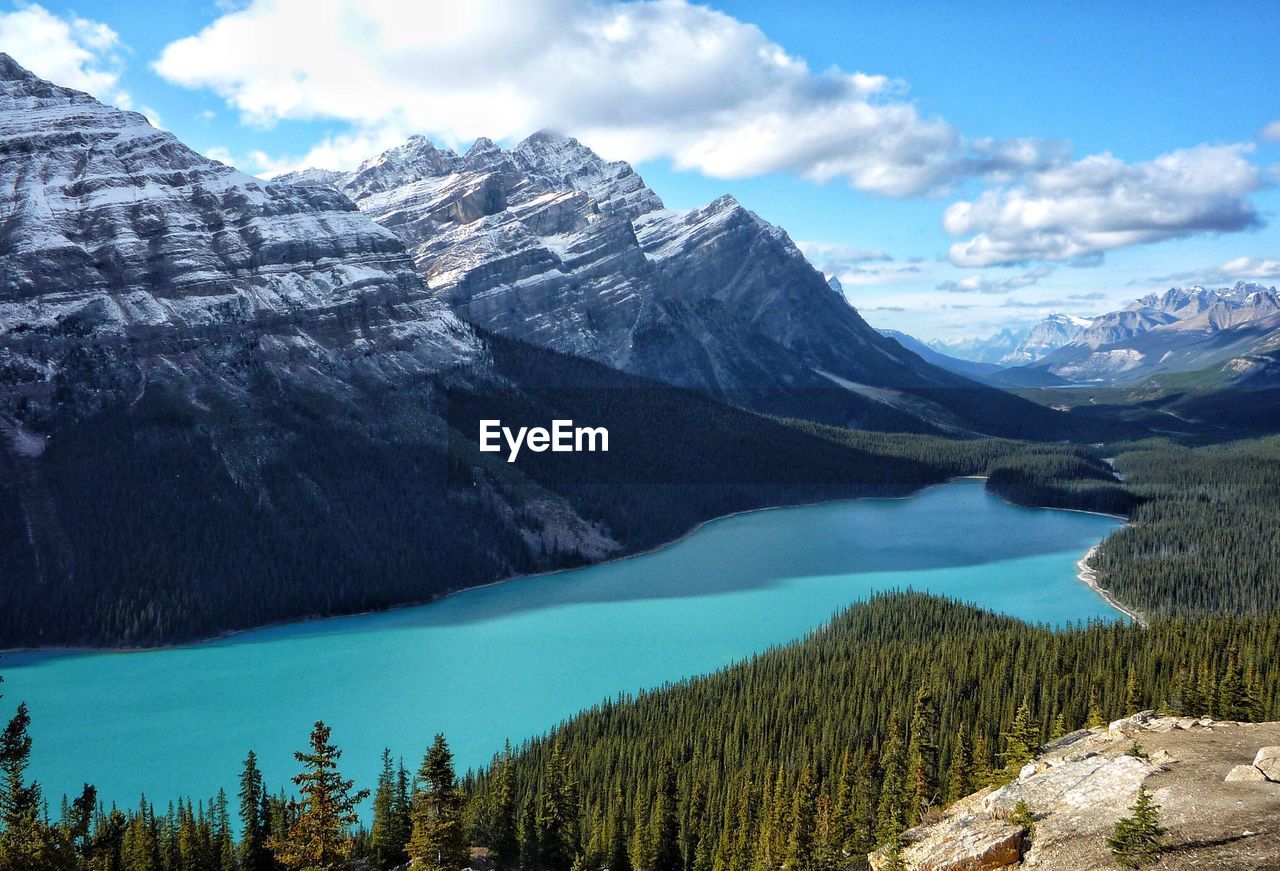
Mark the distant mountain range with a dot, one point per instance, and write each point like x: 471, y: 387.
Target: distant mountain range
x: 1234, y: 331
x: 1016, y: 347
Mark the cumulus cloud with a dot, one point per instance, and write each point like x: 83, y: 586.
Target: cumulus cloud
x: 986, y: 284
x: 1079, y: 210
x: 71, y: 51
x: 637, y: 80
x: 1270, y: 133
x: 1238, y: 269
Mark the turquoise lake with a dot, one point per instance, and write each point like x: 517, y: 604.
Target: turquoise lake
x: 513, y: 659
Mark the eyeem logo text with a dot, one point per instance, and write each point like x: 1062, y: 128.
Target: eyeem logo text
x: 563, y: 437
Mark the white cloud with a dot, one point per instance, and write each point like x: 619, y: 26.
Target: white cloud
x: 1080, y: 210
x: 1237, y: 269
x: 71, y: 51
x: 636, y: 80
x: 985, y: 284
x: 1270, y: 133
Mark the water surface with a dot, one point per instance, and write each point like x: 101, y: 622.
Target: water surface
x: 513, y: 659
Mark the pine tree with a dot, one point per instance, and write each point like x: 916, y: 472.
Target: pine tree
x: 24, y: 841
x: 1094, y: 719
x: 1020, y: 742
x: 319, y: 836
x: 437, y: 842
x: 386, y: 839
x: 695, y: 819
x: 922, y: 756
x: 617, y: 858
x: 1135, y: 839
x: 504, y: 832
x: 960, y: 781
x: 804, y: 812
x: 1059, y: 727
x: 254, y: 854
x: 1132, y: 697
x: 530, y: 849
x: 557, y: 816
x: 982, y: 773
x: 891, y: 815
x: 666, y: 850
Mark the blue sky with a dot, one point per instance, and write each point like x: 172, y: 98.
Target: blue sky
x: 960, y: 166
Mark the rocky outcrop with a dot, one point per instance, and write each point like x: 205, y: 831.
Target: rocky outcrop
x: 1081, y: 784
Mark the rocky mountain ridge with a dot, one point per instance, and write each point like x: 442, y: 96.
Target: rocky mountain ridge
x: 1180, y: 330
x: 119, y: 236
x: 549, y: 243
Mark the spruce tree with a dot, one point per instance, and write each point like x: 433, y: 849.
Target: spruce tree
x: 254, y: 853
x: 1020, y: 743
x: 1094, y: 718
x: 557, y: 816
x: 922, y: 756
x: 319, y: 837
x: 666, y: 849
x: 504, y: 831
x: 804, y: 813
x: 437, y: 841
x: 891, y: 815
x: 387, y: 839
x: 24, y: 840
x: 617, y: 857
x: 960, y: 780
x: 1136, y: 839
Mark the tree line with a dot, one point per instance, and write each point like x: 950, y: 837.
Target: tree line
x: 803, y: 758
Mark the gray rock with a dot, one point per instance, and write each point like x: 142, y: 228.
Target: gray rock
x: 1268, y: 762
x: 1244, y: 774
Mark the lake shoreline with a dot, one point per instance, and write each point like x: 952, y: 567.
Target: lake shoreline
x: 317, y: 618
x: 1090, y: 578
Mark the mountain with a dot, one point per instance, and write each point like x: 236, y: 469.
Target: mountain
x: 992, y: 349
x: 550, y: 244
x: 1180, y: 330
x: 968, y: 368
x: 1045, y: 337
x: 226, y: 402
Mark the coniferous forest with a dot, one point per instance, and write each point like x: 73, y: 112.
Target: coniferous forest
x: 804, y: 757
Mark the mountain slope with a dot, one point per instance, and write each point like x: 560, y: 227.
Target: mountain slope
x: 1181, y: 330
x: 550, y: 244
x: 227, y: 402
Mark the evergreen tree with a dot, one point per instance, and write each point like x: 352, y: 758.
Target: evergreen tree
x: 960, y: 781
x: 694, y: 824
x: 318, y: 837
x: 24, y: 839
x: 804, y: 813
x: 891, y: 816
x: 254, y: 831
x: 557, y: 816
x: 437, y: 842
x: 922, y: 756
x: 1132, y: 697
x: 504, y: 832
x: 387, y: 837
x: 617, y: 858
x: 1020, y: 742
x: 1136, y: 839
x: 1094, y: 719
x: 530, y: 849
x: 666, y: 849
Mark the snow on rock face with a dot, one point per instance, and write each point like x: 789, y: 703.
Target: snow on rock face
x: 552, y: 244
x: 115, y: 229
x: 1045, y: 337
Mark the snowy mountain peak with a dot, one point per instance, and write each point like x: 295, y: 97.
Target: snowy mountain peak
x: 564, y: 161
x: 116, y: 229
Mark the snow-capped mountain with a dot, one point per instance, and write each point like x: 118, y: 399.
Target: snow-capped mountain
x: 549, y: 243
x: 1180, y: 330
x: 992, y: 349
x: 1045, y: 337
x: 118, y: 233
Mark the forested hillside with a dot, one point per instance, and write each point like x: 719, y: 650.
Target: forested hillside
x: 804, y: 757
x: 1204, y: 537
